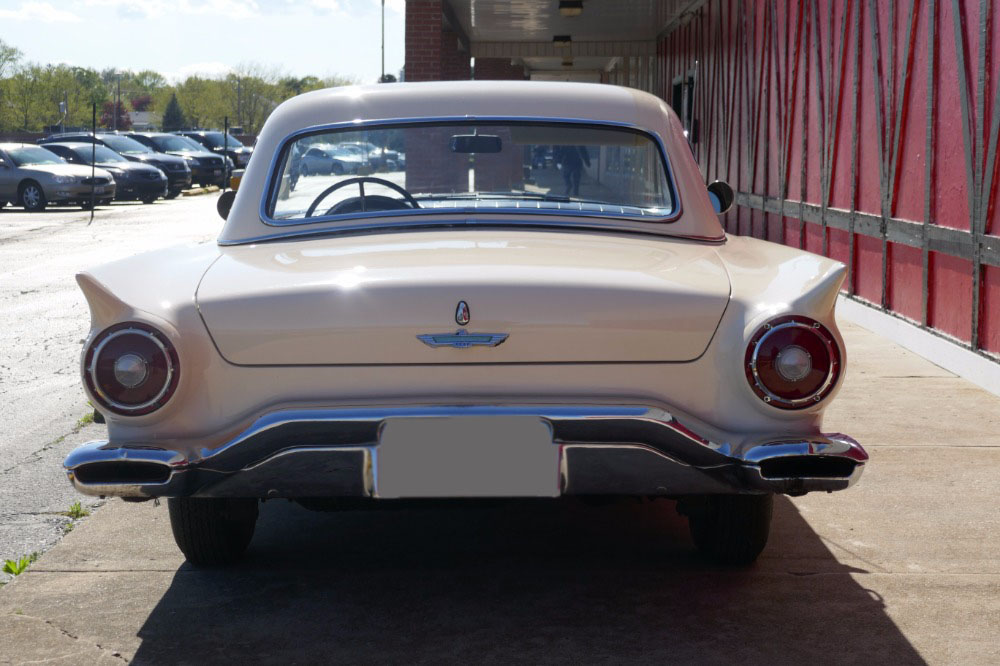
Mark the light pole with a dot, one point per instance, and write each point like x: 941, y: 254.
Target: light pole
x: 382, y: 78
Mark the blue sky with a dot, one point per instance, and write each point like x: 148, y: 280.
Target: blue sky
x: 182, y: 37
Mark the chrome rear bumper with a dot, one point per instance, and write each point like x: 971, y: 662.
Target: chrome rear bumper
x: 619, y: 450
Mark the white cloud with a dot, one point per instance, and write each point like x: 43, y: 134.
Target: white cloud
x: 39, y: 11
x: 160, y: 8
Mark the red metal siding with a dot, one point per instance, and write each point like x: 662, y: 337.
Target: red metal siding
x: 865, y: 130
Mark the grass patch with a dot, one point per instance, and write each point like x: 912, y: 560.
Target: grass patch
x: 20, y: 565
x: 76, y: 511
x: 84, y: 421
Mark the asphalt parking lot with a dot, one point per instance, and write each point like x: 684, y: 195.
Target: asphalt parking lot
x: 900, y: 569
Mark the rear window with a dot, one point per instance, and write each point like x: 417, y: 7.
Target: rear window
x: 491, y: 166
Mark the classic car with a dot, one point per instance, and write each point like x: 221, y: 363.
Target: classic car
x: 34, y: 178
x: 134, y: 181
x: 469, y: 327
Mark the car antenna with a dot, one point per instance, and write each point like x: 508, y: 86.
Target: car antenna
x: 93, y: 160
x: 225, y: 147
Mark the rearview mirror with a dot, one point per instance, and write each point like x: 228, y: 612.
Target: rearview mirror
x: 721, y: 196
x: 475, y: 143
x: 225, y: 203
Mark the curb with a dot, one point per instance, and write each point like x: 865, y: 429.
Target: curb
x: 195, y: 191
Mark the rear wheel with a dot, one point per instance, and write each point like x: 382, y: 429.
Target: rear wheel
x: 31, y: 196
x: 173, y: 194
x: 212, y: 531
x: 729, y: 529
x: 148, y: 200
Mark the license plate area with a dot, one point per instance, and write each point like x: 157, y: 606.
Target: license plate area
x: 466, y: 456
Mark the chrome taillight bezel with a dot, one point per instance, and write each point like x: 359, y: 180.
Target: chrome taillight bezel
x: 101, y: 393
x: 801, y: 325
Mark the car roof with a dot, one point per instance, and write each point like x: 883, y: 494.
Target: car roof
x: 467, y: 100
x: 11, y: 146
x: 72, y: 145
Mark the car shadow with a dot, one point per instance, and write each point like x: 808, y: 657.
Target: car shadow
x: 527, y: 581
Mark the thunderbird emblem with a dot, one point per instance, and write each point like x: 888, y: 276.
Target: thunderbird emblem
x: 462, y: 313
x: 462, y: 339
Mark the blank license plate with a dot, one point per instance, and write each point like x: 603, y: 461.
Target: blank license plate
x: 474, y: 456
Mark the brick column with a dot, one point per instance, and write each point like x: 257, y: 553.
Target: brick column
x: 433, y: 52
x: 423, y: 40
x: 498, y: 69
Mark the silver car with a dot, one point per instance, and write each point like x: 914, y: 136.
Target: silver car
x: 33, y: 177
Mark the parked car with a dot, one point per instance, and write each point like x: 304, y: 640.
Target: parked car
x: 207, y: 168
x: 133, y: 180
x: 176, y: 168
x: 329, y: 159
x: 379, y: 158
x: 222, y: 144
x: 34, y: 178
x: 447, y: 333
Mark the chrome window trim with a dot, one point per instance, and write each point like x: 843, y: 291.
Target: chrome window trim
x: 273, y: 175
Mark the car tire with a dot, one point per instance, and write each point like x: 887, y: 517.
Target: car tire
x: 730, y: 529
x: 336, y: 169
x: 31, y: 196
x: 172, y: 195
x: 303, y: 171
x: 149, y: 200
x: 212, y: 531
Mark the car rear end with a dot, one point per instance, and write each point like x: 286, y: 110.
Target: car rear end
x: 493, y: 341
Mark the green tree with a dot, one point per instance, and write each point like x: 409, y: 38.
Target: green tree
x: 147, y: 81
x: 87, y: 91
x: 25, y: 86
x: 173, y: 117
x: 9, y: 59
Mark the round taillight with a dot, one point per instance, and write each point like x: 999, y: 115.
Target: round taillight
x: 131, y: 369
x: 792, y: 362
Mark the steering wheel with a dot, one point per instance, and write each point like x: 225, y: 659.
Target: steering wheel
x: 361, y: 180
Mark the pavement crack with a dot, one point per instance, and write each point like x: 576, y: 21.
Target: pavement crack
x: 67, y: 634
x: 35, y: 456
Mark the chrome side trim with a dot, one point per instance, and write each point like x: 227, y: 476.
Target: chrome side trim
x: 274, y: 175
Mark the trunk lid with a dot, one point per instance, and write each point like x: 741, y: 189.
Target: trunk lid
x: 558, y: 297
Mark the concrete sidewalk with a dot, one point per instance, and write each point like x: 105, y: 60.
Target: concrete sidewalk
x: 901, y: 569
